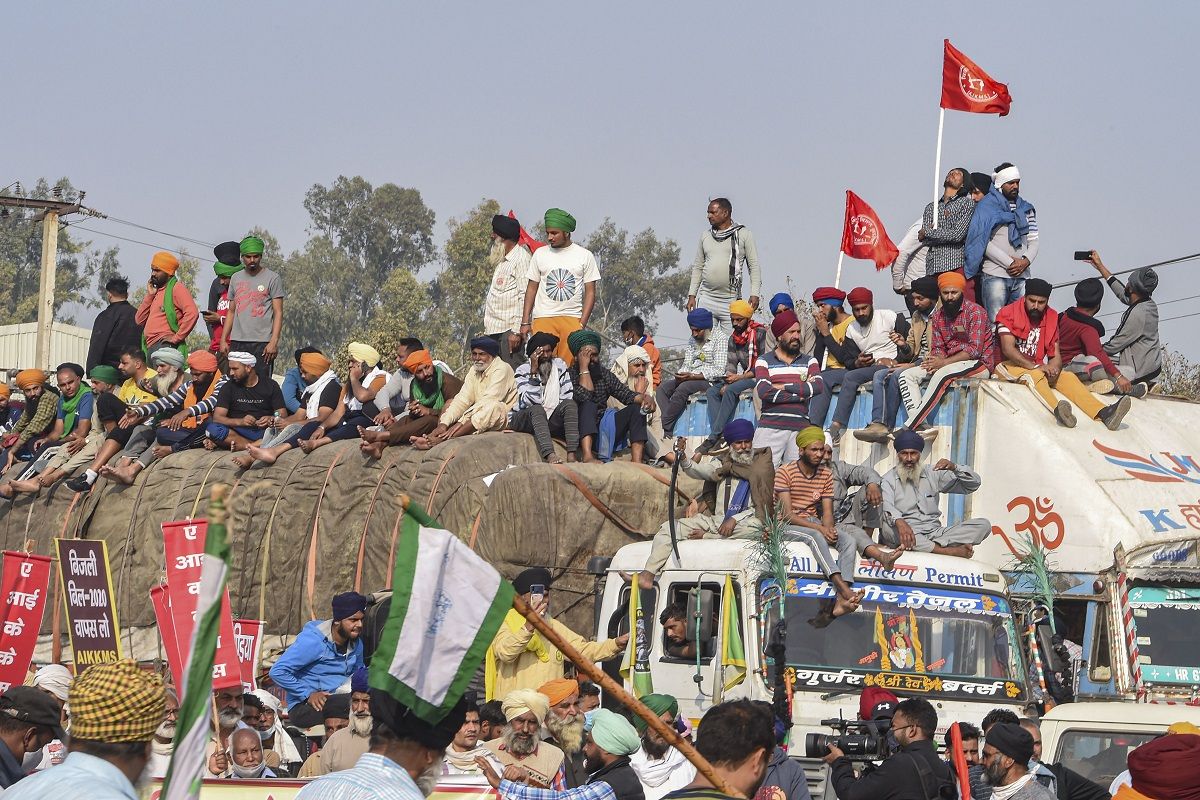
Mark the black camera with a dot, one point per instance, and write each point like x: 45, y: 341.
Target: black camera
x: 860, y: 741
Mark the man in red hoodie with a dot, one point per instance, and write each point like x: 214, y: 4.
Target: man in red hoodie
x: 1079, y: 334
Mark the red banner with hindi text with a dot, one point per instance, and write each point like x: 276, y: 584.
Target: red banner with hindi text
x: 25, y: 581
x: 248, y: 634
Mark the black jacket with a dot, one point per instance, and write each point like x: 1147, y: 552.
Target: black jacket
x: 896, y: 778
x: 621, y: 777
x: 114, y: 330
x: 1070, y: 785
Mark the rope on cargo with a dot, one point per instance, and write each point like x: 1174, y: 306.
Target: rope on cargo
x: 438, y: 479
x: 258, y: 553
x: 597, y: 503
x: 203, y: 484
x: 362, y: 540
x: 311, y: 579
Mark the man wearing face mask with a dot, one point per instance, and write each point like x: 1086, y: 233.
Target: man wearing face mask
x: 279, y: 749
x: 248, y: 762
x: 913, y: 773
x: 405, y: 759
x: 1007, y: 752
x: 29, y: 720
x: 55, y: 681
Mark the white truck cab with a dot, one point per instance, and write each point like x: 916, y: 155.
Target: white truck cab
x: 933, y: 626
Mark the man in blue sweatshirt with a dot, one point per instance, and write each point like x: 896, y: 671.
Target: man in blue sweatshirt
x: 321, y: 660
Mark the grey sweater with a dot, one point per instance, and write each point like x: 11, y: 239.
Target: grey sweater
x: 710, y: 270
x: 1135, y: 345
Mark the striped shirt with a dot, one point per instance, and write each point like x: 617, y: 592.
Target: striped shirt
x: 786, y: 407
x: 804, y: 493
x: 374, y: 777
x: 506, y: 294
x: 174, y: 402
x: 531, y: 392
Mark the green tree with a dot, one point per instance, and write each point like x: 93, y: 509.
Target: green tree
x: 320, y: 306
x: 637, y: 275
x: 403, y: 315
x: 382, y: 228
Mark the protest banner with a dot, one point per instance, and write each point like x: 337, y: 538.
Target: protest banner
x: 25, y: 581
x: 86, y: 583
x: 166, y: 630
x: 248, y: 634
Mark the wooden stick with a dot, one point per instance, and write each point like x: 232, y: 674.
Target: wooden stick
x: 601, y: 678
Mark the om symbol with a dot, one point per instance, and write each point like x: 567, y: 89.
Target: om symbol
x: 1041, y: 523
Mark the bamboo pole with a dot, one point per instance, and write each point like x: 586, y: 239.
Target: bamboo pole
x: 601, y: 678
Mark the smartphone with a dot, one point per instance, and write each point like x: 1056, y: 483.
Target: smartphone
x: 537, y: 593
x: 1083, y: 255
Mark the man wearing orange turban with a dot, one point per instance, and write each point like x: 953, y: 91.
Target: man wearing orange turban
x: 322, y: 396
x: 430, y: 388
x: 36, y: 420
x: 565, y: 725
x: 167, y: 313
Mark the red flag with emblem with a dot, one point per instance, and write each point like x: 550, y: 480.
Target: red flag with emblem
x: 965, y: 87
x: 863, y: 235
x: 525, y: 238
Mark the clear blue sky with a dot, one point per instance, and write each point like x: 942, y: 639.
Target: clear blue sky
x: 207, y: 118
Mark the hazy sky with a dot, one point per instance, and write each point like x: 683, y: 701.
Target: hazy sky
x: 205, y: 119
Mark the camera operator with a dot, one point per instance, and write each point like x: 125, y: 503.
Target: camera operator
x: 913, y: 773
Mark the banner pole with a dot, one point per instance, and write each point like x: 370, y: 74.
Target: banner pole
x: 937, y: 167
x: 837, y: 278
x: 602, y: 679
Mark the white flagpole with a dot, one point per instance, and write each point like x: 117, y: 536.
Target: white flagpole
x: 837, y: 279
x: 937, y: 167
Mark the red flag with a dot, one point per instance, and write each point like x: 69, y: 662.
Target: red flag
x: 959, y: 760
x: 863, y: 235
x: 965, y: 87
x: 525, y: 238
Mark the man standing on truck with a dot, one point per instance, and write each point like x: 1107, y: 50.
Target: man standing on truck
x: 913, y: 773
x: 519, y: 658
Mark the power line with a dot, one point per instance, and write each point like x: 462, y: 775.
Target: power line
x: 1181, y: 316
x: 1168, y: 262
x: 134, y: 241
x: 155, y: 230
x: 1163, y: 303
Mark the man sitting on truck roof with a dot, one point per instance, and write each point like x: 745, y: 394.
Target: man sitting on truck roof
x: 857, y: 513
x: 910, y: 502
x: 737, y: 485
x: 805, y: 490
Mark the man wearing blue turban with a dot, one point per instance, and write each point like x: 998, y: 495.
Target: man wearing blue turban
x: 704, y: 363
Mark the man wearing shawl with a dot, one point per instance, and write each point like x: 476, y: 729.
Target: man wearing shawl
x: 38, y: 416
x: 704, y: 362
x: 321, y: 397
x: 279, y: 750
x: 633, y: 333
x: 661, y: 768
x: 431, y: 386
x: 521, y: 745
x: 255, y: 309
x: 561, y: 288
x: 635, y: 368
x: 747, y: 340
x: 593, y: 385
x: 76, y: 431
x: 462, y: 753
x: 519, y: 658
x: 717, y: 270
x: 357, y: 409
x: 1135, y: 345
x: 167, y: 313
x: 228, y: 264
x: 488, y: 394
x: 1002, y: 241
x: 545, y: 399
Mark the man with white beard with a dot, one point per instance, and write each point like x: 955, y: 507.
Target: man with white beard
x: 230, y: 709
x: 520, y: 754
x: 564, y: 727
x: 163, y: 744
x: 247, y: 754
x: 405, y: 759
x: 661, y: 768
x: 506, y: 293
x: 545, y: 399
x: 168, y: 377
x: 343, y: 749
x: 911, y: 516
x: 488, y: 394
x: 737, y: 496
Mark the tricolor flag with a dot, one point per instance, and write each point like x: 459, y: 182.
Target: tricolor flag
x: 635, y: 667
x: 194, y: 728
x: 733, y: 654
x: 966, y: 87
x: 447, y: 604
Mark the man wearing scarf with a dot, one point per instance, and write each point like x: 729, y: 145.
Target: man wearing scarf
x: 280, y: 752
x: 717, y: 270
x: 704, y: 362
x: 228, y: 264
x: 1135, y: 345
x: 735, y: 500
x: 521, y: 744
x: 1028, y: 334
x: 945, y: 240
x: 1007, y: 751
x: 357, y: 409
x: 488, y: 394
x: 747, y: 341
x: 109, y: 413
x: 635, y: 368
x: 545, y: 399
x: 430, y: 388
x: 661, y: 768
x: 519, y: 658
x: 1079, y: 334
x: 322, y: 396
x: 561, y: 284
x: 255, y: 309
x: 633, y: 333
x: 462, y: 753
x: 1002, y: 241
x: 36, y: 420
x: 593, y: 384
x: 167, y: 313
x: 184, y: 413
x: 506, y: 292
x: 76, y: 432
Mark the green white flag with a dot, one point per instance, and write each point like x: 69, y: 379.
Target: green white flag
x: 635, y: 666
x: 733, y: 655
x: 447, y: 604
x: 194, y: 728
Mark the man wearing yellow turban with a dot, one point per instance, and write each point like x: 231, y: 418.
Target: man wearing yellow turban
x: 167, y: 313
x: 561, y: 288
x: 521, y: 744
x: 367, y: 377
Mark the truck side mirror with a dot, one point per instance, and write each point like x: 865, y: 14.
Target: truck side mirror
x: 702, y: 618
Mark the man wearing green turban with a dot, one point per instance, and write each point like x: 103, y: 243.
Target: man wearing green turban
x: 608, y: 744
x: 661, y: 768
x: 255, y: 316
x: 592, y: 384
x: 560, y: 291
x: 228, y: 264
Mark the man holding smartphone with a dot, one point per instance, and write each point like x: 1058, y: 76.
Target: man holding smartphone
x: 519, y: 658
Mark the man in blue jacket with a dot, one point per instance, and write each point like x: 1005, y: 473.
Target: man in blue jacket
x: 321, y: 660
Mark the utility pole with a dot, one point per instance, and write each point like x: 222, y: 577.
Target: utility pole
x: 51, y: 211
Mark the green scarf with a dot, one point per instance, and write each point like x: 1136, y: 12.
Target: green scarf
x: 70, y: 406
x: 172, y: 314
x: 437, y: 400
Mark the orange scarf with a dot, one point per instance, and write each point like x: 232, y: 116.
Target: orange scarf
x: 190, y: 400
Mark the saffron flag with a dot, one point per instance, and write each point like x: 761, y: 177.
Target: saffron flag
x: 447, y: 604
x: 733, y: 654
x: 863, y: 235
x: 186, y: 770
x: 635, y: 667
x: 525, y: 238
x: 965, y: 87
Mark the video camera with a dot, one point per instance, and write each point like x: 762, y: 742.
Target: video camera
x: 859, y: 740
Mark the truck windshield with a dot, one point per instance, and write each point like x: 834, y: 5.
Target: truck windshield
x: 1166, y: 619
x: 905, y: 638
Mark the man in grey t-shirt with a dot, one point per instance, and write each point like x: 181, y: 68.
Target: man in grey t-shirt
x: 255, y: 316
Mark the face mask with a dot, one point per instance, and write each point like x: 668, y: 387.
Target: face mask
x: 267, y: 734
x: 31, y: 761
x: 249, y: 772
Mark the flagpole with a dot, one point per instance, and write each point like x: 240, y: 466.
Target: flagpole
x: 937, y: 167
x: 837, y: 278
x: 603, y: 679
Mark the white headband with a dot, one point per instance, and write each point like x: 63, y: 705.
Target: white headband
x: 1005, y: 175
x: 243, y: 358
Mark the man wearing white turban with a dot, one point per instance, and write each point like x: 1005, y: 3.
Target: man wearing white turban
x: 279, y: 751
